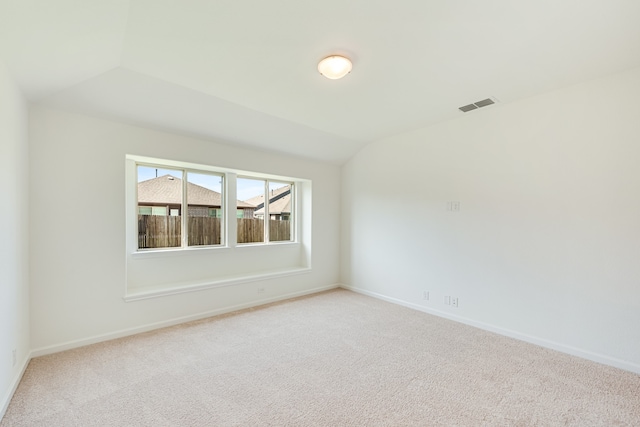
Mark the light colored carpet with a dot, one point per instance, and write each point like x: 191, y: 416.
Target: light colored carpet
x: 332, y: 359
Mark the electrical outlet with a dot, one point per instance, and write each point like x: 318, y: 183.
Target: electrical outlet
x: 454, y: 301
x: 453, y: 206
x: 447, y: 300
x: 425, y: 295
x: 13, y: 357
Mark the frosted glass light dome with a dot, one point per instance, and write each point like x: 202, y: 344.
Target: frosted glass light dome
x: 335, y: 67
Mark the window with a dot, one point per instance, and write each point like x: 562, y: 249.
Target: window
x: 181, y: 234
x: 280, y: 211
x: 204, y: 191
x: 265, y: 213
x: 250, y: 225
x: 183, y: 205
x: 164, y: 195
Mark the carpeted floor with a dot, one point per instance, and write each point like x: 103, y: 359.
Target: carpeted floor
x: 332, y: 359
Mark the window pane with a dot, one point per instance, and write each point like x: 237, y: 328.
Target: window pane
x: 280, y: 211
x: 251, y: 203
x: 159, y: 192
x: 204, y: 197
x: 159, y: 210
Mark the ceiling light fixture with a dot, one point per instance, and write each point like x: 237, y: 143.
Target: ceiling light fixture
x: 335, y: 67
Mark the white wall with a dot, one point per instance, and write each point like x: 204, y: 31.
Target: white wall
x: 78, y: 267
x: 14, y: 217
x: 546, y: 246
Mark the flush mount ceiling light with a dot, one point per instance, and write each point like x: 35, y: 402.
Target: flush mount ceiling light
x: 335, y: 67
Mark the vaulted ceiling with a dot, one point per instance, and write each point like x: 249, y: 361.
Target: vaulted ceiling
x: 245, y: 70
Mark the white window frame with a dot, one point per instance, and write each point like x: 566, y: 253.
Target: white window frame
x: 267, y: 217
x: 229, y: 203
x: 184, y: 218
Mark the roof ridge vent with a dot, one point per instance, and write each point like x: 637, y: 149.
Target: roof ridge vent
x: 478, y: 104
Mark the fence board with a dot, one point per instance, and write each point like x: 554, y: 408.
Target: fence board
x: 157, y: 231
x: 250, y: 230
x: 280, y: 230
x: 204, y: 230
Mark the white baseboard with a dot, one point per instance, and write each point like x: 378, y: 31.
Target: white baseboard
x: 4, y: 403
x: 171, y: 322
x: 585, y: 354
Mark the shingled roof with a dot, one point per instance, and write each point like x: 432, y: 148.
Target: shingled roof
x: 278, y: 207
x: 167, y: 189
x: 279, y: 201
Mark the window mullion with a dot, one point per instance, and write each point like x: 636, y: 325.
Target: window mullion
x: 231, y: 206
x: 292, y: 214
x: 266, y: 212
x: 223, y: 210
x: 185, y: 213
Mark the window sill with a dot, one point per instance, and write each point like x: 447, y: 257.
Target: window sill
x: 265, y: 245
x: 172, y: 252
x: 155, y: 292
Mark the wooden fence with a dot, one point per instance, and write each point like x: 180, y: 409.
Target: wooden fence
x: 204, y: 231
x: 157, y: 231
x: 251, y: 230
x: 280, y: 230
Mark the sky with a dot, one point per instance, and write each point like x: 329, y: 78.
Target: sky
x: 247, y: 188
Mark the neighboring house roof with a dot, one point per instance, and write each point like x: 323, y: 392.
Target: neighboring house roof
x: 279, y: 201
x: 278, y: 207
x: 167, y: 189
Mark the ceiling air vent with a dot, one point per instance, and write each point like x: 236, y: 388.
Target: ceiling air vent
x: 478, y: 104
x: 468, y: 108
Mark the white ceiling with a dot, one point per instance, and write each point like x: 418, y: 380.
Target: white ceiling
x: 245, y: 70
